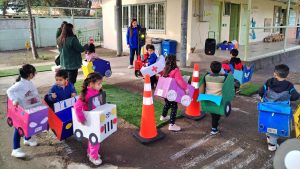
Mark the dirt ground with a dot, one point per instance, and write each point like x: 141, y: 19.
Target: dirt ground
x: 19, y: 57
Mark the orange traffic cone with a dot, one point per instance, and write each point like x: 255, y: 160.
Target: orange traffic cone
x: 193, y: 111
x: 148, y: 132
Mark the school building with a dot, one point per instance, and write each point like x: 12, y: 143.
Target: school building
x: 247, y: 21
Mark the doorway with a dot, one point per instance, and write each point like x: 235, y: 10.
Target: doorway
x: 234, y: 22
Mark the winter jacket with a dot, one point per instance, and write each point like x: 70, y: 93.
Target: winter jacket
x: 176, y: 74
x: 70, y: 54
x: 275, y: 90
x: 81, y: 106
x: 20, y: 90
x: 62, y: 93
x: 152, y: 59
x: 133, y: 40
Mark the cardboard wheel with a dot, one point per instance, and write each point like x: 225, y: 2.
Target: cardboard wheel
x: 108, y: 73
x: 227, y: 109
x: 9, y: 122
x: 78, y: 134
x: 287, y: 155
x: 137, y: 73
x: 93, y: 138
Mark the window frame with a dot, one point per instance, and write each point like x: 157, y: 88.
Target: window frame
x: 162, y: 31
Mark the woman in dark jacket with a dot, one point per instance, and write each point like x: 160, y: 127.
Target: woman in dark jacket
x: 132, y: 38
x: 70, y: 52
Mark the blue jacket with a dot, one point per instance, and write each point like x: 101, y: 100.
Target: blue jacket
x: 61, y: 93
x: 133, y: 40
x: 152, y: 59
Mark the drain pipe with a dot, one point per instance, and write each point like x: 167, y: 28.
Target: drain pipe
x: 118, y: 19
x: 184, y: 17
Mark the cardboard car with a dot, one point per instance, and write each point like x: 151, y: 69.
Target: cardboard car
x: 98, y: 65
x: 220, y: 105
x: 30, y: 117
x: 155, y: 68
x: 244, y: 75
x: 100, y: 123
x: 60, y: 119
x: 275, y: 118
x: 169, y: 89
x: 297, y: 122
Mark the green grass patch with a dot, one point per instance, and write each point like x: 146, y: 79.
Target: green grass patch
x: 13, y: 72
x: 249, y: 89
x: 129, y: 104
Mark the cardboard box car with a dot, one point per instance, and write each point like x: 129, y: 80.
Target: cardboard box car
x: 98, y: 65
x: 100, y: 123
x: 169, y: 89
x: 60, y: 119
x: 29, y: 118
x: 154, y: 69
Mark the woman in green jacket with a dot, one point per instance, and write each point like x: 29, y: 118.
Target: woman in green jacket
x: 70, y: 52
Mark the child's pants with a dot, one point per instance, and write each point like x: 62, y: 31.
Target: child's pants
x: 17, y: 139
x: 174, y: 107
x: 215, y: 120
x: 272, y: 138
x: 153, y: 81
x: 93, y: 150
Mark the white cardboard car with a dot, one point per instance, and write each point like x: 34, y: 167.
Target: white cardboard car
x: 154, y: 69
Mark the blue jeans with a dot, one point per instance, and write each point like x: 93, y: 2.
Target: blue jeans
x: 134, y: 51
x: 17, y: 138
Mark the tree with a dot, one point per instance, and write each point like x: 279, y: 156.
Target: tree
x: 32, y: 40
x: 3, y: 6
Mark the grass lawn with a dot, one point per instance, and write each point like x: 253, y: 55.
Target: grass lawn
x: 129, y: 104
x: 249, y: 89
x: 12, y: 72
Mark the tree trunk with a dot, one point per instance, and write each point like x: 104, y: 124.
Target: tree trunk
x: 32, y: 40
x: 5, y: 4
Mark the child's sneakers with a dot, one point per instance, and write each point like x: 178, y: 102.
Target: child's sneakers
x: 18, y: 153
x: 162, y: 118
x: 272, y: 147
x: 174, y: 127
x: 214, y: 131
x: 95, y: 161
x: 31, y: 142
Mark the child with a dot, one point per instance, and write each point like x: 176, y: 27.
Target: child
x: 146, y: 55
x: 237, y: 65
x: 90, y: 54
x: 17, y: 92
x: 91, y: 87
x: 172, y: 70
x: 278, y: 89
x: 151, y: 60
x: 213, y: 85
x: 62, y: 89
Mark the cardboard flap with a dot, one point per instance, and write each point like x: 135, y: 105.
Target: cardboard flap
x: 275, y: 107
x: 213, y: 98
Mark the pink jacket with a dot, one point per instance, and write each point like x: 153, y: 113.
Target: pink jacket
x: 81, y: 106
x: 176, y: 74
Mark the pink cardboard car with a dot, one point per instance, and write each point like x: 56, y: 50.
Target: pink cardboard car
x: 169, y: 89
x: 29, y: 120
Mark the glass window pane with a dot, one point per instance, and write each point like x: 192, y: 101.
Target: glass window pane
x: 151, y: 16
x: 133, y: 12
x: 125, y: 17
x: 161, y: 16
x: 141, y: 15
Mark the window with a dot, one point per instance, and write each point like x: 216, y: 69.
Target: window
x: 150, y: 16
x: 125, y: 17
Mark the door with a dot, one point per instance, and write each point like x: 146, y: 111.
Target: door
x: 234, y: 22
x: 244, y: 33
x: 215, y: 20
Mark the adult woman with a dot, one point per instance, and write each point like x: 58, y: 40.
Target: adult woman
x: 133, y: 41
x: 70, y: 52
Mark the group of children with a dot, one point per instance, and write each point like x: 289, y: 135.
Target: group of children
x: 275, y: 89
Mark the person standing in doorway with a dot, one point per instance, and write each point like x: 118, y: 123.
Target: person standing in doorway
x: 70, y: 52
x: 132, y: 38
